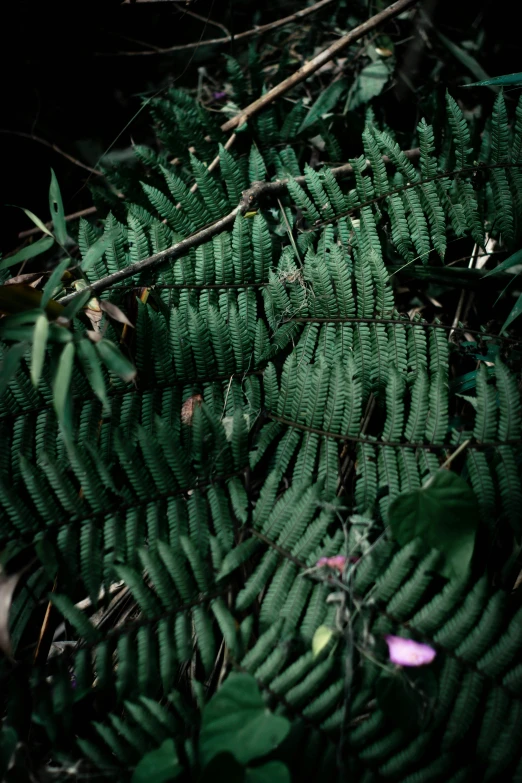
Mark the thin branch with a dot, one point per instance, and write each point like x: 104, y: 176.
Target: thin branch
x: 208, y: 20
x: 470, y: 444
x: 249, y: 198
x: 313, y: 65
x: 53, y: 147
x: 401, y: 322
x: 29, y: 232
x: 274, y: 189
x: 264, y: 28
x: 176, y: 251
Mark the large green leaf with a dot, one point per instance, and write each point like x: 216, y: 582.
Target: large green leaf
x: 444, y: 515
x: 159, y: 765
x: 97, y: 249
x: 57, y: 210
x: 236, y: 720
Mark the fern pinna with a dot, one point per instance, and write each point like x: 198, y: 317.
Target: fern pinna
x: 182, y: 527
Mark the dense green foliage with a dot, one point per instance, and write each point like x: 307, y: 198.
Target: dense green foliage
x: 283, y: 410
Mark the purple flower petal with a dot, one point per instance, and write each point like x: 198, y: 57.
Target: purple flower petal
x: 218, y: 96
x: 406, y: 652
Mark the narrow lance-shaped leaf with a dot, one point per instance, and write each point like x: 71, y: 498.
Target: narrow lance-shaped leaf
x: 62, y: 382
x: 36, y: 220
x: 76, y: 304
x: 514, y: 260
x: 515, y: 312
x: 31, y: 251
x: 115, y: 361
x: 509, y: 80
x: 90, y: 362
x: 97, y: 249
x: 57, y: 210
x: 10, y: 364
x: 325, y: 103
x: 53, y: 281
x: 41, y: 333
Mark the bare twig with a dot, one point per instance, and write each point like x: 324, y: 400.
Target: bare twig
x: 313, y: 65
x: 306, y: 70
x: 176, y: 251
x: 53, y: 147
x: 29, y: 232
x: 208, y: 20
x: 264, y: 28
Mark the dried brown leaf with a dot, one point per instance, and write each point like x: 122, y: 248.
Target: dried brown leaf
x: 114, y: 312
x: 7, y: 588
x: 31, y: 278
x: 187, y: 409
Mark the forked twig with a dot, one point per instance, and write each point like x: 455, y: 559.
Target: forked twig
x: 259, y: 30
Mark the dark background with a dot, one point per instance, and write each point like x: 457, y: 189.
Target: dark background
x: 59, y: 83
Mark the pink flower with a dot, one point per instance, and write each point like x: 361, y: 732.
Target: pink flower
x: 406, y: 652
x: 337, y: 561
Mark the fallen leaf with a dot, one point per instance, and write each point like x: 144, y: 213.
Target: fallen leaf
x: 114, y: 312
x: 30, y: 278
x: 7, y: 588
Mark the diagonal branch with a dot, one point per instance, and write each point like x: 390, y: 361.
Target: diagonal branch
x: 313, y: 65
x: 249, y: 198
x: 258, y: 30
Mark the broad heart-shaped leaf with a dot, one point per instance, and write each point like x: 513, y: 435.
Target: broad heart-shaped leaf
x: 57, y: 210
x: 159, y: 765
x: 444, y: 515
x: 236, y: 720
